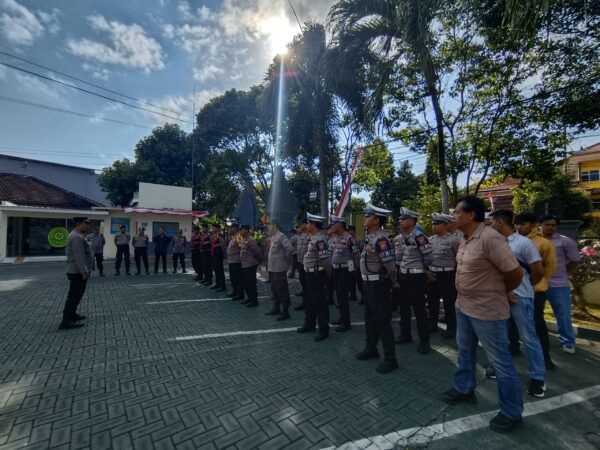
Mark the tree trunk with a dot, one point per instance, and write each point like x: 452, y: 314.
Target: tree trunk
x: 323, y: 188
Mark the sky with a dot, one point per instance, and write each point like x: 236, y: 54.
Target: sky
x: 157, y: 51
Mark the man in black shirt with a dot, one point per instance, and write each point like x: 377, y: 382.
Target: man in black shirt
x: 161, y: 243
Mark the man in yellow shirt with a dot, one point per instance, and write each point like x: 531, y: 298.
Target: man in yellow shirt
x: 527, y: 225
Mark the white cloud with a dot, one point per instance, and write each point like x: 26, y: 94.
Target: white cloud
x: 128, y: 45
x: 182, y: 105
x: 22, y: 26
x: 191, y: 38
x: 209, y: 72
x: 100, y: 73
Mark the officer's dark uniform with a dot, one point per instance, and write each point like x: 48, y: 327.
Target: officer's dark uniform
x: 316, y: 265
x: 378, y: 274
x: 217, y: 256
x: 303, y: 240
x: 356, y: 280
x: 140, y: 252
x: 122, y: 242
x: 195, y: 244
x: 443, y: 266
x: 413, y: 257
x: 235, y: 265
x: 161, y: 244
x: 205, y: 257
x: 344, y: 251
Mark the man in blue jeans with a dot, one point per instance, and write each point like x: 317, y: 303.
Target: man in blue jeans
x: 521, y: 312
x: 487, y: 271
x: 559, y: 290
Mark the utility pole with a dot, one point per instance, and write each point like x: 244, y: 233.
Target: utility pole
x: 193, y: 142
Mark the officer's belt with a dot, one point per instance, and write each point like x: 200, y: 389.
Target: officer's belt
x: 340, y: 266
x: 315, y: 269
x: 442, y: 269
x: 371, y: 277
x: 405, y: 271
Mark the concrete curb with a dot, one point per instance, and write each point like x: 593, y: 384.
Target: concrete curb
x: 585, y: 333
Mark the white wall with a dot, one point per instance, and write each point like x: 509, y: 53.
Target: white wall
x: 163, y: 196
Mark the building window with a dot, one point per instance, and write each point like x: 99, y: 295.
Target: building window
x: 592, y: 175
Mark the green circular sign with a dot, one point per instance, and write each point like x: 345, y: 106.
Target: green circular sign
x: 57, y: 237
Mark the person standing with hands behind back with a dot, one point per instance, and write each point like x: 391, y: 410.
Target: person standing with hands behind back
x: 79, y: 267
x: 140, y: 251
x: 161, y: 243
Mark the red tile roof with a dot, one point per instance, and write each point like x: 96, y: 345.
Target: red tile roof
x: 24, y: 190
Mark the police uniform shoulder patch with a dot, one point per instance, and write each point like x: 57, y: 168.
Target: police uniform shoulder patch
x: 384, y: 249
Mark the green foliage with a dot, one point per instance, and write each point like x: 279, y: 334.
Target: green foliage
x: 396, y: 190
x: 356, y: 205
x: 427, y: 201
x: 557, y: 196
x: 376, y: 165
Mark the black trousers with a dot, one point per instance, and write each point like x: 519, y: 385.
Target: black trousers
x: 217, y: 262
x: 280, y: 291
x: 140, y: 253
x: 330, y: 290
x: 206, y: 262
x: 179, y: 257
x: 295, y: 264
x: 157, y: 257
x: 76, y: 290
x: 236, y: 278
x: 443, y: 287
x: 302, y: 277
x: 356, y: 282
x: 99, y: 257
x: 317, y: 309
x: 378, y: 316
x: 196, y: 262
x: 541, y: 328
x: 412, y: 295
x: 123, y: 254
x: 249, y: 279
x: 343, y: 281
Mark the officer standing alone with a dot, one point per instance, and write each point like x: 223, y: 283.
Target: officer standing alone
x: 379, y: 276
x: 79, y: 267
x: 443, y: 265
x: 140, y: 250
x: 280, y: 253
x: 122, y: 239
x: 413, y: 257
x: 316, y: 265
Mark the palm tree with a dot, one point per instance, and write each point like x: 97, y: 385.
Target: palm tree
x: 381, y: 33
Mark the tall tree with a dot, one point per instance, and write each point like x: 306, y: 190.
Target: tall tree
x: 395, y: 31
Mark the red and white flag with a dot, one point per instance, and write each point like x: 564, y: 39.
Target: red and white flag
x: 492, y: 201
x: 339, y: 211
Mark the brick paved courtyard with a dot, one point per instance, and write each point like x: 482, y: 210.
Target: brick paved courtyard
x: 163, y: 363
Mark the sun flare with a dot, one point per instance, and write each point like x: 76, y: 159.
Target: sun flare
x: 280, y: 33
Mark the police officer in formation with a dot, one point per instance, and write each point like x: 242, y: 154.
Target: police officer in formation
x: 356, y: 280
x: 379, y: 277
x: 303, y: 241
x: 195, y: 250
x: 205, y: 251
x: 294, y: 243
x: 140, y: 250
x: 249, y: 257
x: 316, y: 267
x: 234, y: 261
x: 443, y: 265
x: 122, y: 239
x: 280, y: 253
x: 413, y: 258
x: 179, y: 243
x: 161, y: 244
x: 345, y: 258
x: 97, y: 242
x: 217, y: 255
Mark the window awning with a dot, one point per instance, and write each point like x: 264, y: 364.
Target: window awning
x: 174, y: 212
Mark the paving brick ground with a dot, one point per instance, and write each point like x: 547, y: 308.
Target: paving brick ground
x: 124, y: 381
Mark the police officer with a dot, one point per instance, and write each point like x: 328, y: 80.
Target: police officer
x: 316, y: 266
x: 357, y: 278
x: 79, y: 266
x: 303, y: 240
x: 344, y: 251
x: 280, y: 253
x: 413, y: 257
x: 379, y: 276
x: 140, y: 250
x: 294, y: 243
x: 97, y: 242
x: 122, y: 239
x: 235, y: 263
x: 195, y: 244
x: 249, y: 254
x: 217, y: 256
x: 443, y: 265
x: 161, y: 244
x: 179, y: 242
x: 205, y: 258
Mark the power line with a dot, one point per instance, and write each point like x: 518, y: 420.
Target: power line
x: 87, y: 82
x: 67, y: 111
x: 29, y: 72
